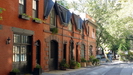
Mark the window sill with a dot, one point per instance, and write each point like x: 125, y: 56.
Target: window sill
x: 24, y: 17
x: 37, y: 21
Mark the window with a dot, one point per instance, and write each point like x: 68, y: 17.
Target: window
x: 82, y: 33
x: 20, y: 47
x: 82, y: 51
x: 70, y: 26
x: 52, y: 19
x: 21, y: 6
x: 88, y: 30
x: 93, y: 34
x: 35, y: 9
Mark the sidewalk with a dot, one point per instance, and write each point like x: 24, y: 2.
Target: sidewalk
x: 61, y: 72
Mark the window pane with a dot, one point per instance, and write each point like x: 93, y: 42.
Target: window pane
x: 16, y: 53
x: 16, y: 38
x: 23, y: 53
x: 21, y: 6
x: 21, y: 9
x: 70, y: 26
x: 34, y: 5
x: 21, y: 1
x: 52, y: 18
x: 34, y: 13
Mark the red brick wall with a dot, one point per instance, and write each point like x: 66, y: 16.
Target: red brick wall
x: 41, y: 32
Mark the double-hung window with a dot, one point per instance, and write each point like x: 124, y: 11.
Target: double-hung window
x: 35, y: 9
x: 70, y: 26
x: 52, y: 19
x: 22, y: 5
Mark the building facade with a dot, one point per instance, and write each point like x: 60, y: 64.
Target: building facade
x: 42, y: 32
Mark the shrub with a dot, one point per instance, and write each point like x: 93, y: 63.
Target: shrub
x: 38, y: 66
x: 91, y: 58
x: 78, y: 65
x: 83, y: 60
x: 15, y: 70
x: 64, y: 64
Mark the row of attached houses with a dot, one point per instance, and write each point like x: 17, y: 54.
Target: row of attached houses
x: 52, y: 34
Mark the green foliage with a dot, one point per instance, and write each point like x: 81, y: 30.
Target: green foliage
x: 73, y: 63
x: 95, y: 61
x: 91, y: 58
x: 24, y: 14
x: 126, y: 57
x: 63, y: 3
x: 78, y: 65
x: 64, y: 64
x: 83, y: 60
x: 1, y: 11
x: 54, y: 30
x: 36, y: 19
x: 15, y: 70
x: 38, y: 66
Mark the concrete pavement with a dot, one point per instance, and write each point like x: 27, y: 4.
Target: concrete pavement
x: 74, y: 71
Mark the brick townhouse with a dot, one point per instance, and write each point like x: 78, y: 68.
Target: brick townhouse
x: 42, y: 32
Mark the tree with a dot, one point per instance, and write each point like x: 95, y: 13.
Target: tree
x: 63, y: 3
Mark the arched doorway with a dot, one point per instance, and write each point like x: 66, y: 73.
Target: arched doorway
x: 53, y: 55
x: 77, y: 55
x: 71, y: 49
x: 90, y: 50
x: 82, y: 51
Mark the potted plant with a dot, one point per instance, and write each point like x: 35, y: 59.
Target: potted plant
x: 24, y: 16
x: 54, y: 30
x: 63, y: 65
x: 95, y: 61
x: 72, y: 64
x: 37, y: 20
x: 15, y: 72
x: 91, y: 60
x: 37, y: 70
x: 78, y: 65
x: 83, y: 62
x: 88, y: 63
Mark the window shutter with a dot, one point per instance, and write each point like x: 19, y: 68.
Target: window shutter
x: 47, y: 7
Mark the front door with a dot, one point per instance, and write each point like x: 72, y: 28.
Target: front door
x: 22, y: 53
x: 53, y: 58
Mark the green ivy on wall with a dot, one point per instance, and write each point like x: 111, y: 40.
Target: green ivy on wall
x: 1, y: 10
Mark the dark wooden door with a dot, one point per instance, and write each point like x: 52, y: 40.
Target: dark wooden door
x: 38, y: 52
x: 22, y: 53
x: 20, y: 58
x: 77, y: 55
x: 53, y: 59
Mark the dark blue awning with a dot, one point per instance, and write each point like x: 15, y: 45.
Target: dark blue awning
x: 81, y: 23
x: 47, y: 7
x: 78, y: 21
x: 64, y: 14
x: 69, y: 15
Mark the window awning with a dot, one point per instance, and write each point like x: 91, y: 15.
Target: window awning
x: 47, y: 7
x: 64, y: 14
x: 78, y: 21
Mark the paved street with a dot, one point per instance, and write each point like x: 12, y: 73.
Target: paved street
x: 114, y: 68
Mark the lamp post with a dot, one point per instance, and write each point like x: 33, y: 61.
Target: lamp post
x: 8, y: 40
